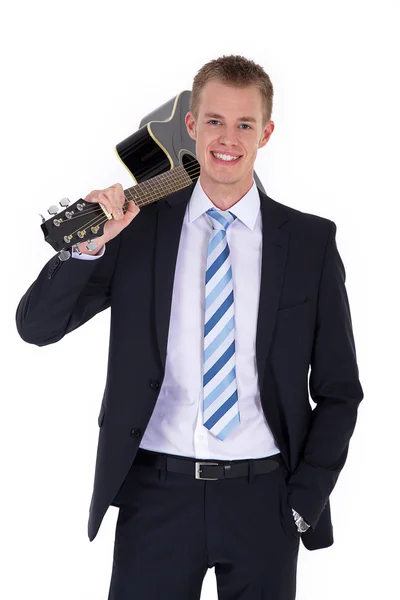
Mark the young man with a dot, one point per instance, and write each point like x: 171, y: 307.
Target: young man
x: 221, y: 300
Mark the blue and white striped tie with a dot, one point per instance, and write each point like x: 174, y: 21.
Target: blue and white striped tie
x: 220, y: 402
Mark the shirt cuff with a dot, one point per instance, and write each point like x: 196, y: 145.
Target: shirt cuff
x: 83, y: 256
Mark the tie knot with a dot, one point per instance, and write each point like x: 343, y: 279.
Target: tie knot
x: 221, y: 219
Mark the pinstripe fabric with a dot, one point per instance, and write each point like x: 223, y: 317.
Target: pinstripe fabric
x: 220, y: 398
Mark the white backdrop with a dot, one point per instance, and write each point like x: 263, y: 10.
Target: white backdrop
x: 77, y: 78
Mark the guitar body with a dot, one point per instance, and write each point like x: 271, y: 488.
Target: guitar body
x: 162, y: 142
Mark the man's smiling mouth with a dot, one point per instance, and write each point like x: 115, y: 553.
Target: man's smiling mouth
x: 226, y: 158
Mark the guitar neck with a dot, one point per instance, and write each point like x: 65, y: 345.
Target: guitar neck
x: 84, y: 221
x: 159, y: 186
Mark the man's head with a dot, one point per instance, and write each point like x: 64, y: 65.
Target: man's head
x: 230, y: 115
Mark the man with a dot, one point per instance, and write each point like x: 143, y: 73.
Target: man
x: 221, y: 299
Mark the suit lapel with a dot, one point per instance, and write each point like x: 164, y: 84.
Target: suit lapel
x: 170, y: 215
x: 275, y: 243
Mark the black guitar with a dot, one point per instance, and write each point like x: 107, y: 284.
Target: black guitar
x: 161, y: 158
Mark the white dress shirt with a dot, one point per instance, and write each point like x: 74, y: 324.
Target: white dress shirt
x: 176, y: 425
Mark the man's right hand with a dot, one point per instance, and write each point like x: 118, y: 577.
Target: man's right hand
x: 123, y: 212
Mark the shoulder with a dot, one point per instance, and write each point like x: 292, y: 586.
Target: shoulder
x: 300, y: 222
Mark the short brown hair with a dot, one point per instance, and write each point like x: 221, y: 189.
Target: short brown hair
x: 237, y: 71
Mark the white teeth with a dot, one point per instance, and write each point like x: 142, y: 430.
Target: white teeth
x: 225, y: 156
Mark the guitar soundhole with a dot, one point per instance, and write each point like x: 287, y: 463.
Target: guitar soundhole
x: 191, y: 165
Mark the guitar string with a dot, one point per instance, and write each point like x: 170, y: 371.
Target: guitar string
x: 145, y: 194
x: 101, y: 218
x: 100, y: 212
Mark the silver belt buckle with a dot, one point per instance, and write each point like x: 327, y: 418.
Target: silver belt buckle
x: 198, y: 470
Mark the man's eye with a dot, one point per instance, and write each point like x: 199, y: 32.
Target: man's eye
x: 212, y: 121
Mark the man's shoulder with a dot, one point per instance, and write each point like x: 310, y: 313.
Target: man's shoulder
x: 300, y: 217
x: 301, y: 221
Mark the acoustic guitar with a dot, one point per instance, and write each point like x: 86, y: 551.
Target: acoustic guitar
x: 160, y: 156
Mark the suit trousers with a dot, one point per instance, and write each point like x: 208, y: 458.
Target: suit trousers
x: 172, y: 527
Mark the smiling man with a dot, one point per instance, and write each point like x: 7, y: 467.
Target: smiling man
x: 229, y: 124
x: 222, y: 299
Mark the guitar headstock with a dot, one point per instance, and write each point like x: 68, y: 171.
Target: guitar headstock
x: 69, y: 225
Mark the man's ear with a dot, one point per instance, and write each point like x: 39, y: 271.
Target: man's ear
x: 269, y: 128
x: 190, y: 125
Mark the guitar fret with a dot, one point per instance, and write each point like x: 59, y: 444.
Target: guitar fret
x: 179, y: 177
x: 128, y: 194
x: 149, y: 189
x: 186, y: 179
x: 157, y: 187
x: 159, y: 192
x: 146, y: 190
x: 165, y: 183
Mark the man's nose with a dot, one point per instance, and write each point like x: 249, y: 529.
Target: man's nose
x: 229, y: 137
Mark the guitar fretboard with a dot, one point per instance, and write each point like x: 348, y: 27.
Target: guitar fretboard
x: 159, y: 186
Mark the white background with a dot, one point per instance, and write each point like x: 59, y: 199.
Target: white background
x: 77, y: 77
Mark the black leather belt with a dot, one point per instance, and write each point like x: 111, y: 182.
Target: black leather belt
x: 209, y: 470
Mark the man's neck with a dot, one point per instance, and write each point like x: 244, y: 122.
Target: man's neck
x: 224, y: 196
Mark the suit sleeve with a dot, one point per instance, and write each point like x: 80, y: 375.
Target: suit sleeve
x: 334, y: 387
x: 65, y: 295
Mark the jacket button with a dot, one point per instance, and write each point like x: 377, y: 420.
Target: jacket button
x: 136, y: 432
x: 154, y: 385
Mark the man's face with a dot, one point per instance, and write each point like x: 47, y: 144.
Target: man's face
x: 229, y: 123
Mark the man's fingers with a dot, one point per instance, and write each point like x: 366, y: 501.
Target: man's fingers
x: 131, y: 211
x: 132, y: 207
x: 119, y: 196
x: 116, y: 198
x: 114, y: 201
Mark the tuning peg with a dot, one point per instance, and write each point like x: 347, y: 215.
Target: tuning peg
x: 91, y: 245
x: 53, y: 210
x: 64, y: 202
x: 64, y: 255
x: 43, y: 219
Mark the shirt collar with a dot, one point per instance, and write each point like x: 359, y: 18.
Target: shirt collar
x: 246, y: 209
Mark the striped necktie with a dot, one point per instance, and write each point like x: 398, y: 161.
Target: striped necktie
x: 220, y: 398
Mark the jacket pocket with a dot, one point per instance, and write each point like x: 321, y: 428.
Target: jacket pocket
x: 294, y: 307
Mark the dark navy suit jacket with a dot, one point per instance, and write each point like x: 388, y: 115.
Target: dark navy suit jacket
x: 304, y: 344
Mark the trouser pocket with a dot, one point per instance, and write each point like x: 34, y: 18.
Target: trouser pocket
x: 287, y: 519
